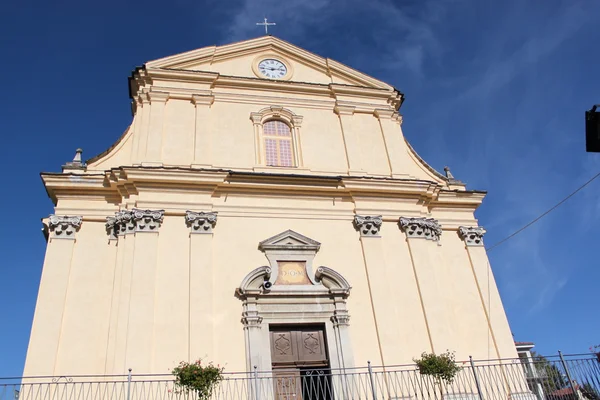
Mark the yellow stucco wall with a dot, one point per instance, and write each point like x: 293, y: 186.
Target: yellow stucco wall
x: 148, y: 300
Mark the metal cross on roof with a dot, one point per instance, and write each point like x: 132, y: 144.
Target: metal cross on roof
x: 266, y: 24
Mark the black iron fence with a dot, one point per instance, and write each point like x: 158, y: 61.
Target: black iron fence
x: 573, y: 377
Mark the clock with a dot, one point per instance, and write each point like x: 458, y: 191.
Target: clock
x: 272, y: 69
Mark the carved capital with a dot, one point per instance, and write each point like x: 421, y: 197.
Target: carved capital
x: 297, y: 120
x: 427, y: 228
x: 147, y: 220
x: 398, y: 118
x: 340, y: 318
x: 384, y: 114
x: 256, y: 118
x: 201, y: 222
x: 203, y: 99
x: 64, y: 226
x: 368, y: 225
x: 124, y: 222
x: 472, y: 235
x: 344, y: 110
x: 251, y: 319
x: 112, y: 227
x: 157, y: 97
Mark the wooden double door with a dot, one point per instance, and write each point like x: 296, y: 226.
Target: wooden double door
x: 300, y: 363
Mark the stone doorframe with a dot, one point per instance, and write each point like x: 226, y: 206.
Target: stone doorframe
x: 321, y: 302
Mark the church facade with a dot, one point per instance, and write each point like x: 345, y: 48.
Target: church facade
x: 262, y: 209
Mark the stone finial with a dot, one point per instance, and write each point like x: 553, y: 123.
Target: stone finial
x: 368, y: 225
x: 147, y: 220
x: 451, y: 179
x: 472, y: 235
x: 201, y: 222
x: 427, y: 228
x: 77, y: 163
x: 64, y: 226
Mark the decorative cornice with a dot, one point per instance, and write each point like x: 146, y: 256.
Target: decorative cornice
x: 368, y: 225
x: 147, y: 220
x: 427, y: 228
x: 472, y: 235
x: 201, y: 222
x: 64, y: 226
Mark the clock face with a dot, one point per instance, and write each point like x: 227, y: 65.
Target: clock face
x: 272, y: 69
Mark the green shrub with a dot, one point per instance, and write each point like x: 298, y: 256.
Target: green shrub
x: 442, y: 367
x: 198, y: 379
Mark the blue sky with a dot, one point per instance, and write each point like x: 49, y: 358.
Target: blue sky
x: 495, y: 90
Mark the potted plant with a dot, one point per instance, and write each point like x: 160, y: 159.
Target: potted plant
x: 441, y: 367
x: 196, y: 378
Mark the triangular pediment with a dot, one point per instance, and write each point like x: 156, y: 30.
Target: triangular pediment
x: 237, y: 59
x: 289, y: 240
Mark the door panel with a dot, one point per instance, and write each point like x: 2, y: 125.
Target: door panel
x: 311, y: 346
x: 283, y: 347
x: 288, y: 385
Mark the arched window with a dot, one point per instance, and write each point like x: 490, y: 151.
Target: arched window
x: 278, y: 144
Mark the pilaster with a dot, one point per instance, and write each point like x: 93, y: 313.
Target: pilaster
x: 258, y: 142
x: 351, y: 142
x: 341, y: 327
x: 201, y: 286
x: 378, y: 281
x: 50, y: 306
x: 394, y: 143
x: 256, y: 346
x: 202, y: 135
x: 117, y: 342
x: 157, y: 104
x: 140, y: 332
x: 421, y: 235
x: 139, y: 135
x: 491, y: 302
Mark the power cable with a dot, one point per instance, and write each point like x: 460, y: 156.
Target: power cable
x: 544, y: 214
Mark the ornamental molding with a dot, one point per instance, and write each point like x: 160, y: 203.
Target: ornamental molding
x: 472, y: 235
x: 368, y: 225
x: 201, y: 222
x: 64, y: 226
x: 147, y: 220
x: 277, y: 112
x: 426, y: 228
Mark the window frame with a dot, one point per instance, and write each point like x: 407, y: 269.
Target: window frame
x: 279, y: 139
x: 292, y: 120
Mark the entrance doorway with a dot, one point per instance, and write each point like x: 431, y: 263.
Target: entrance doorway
x: 300, y: 362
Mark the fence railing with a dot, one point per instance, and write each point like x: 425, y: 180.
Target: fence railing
x: 537, y: 378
